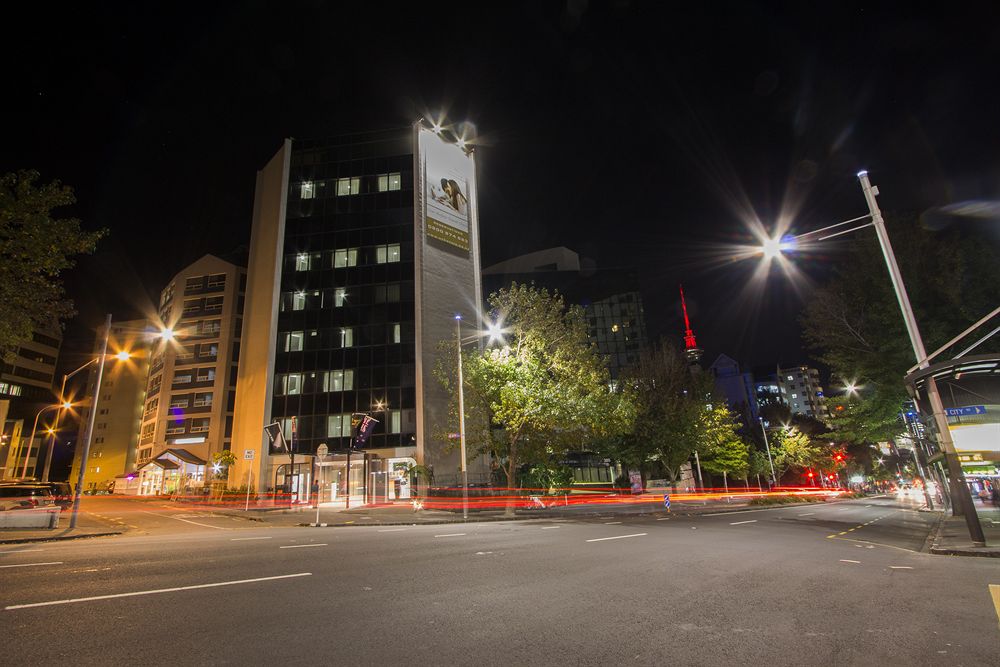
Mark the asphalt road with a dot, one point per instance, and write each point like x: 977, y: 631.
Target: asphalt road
x: 826, y: 584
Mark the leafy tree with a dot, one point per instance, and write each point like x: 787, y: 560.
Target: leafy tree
x: 793, y: 450
x: 545, y: 391
x: 759, y: 466
x: 35, y: 248
x: 224, y: 459
x: 721, y: 448
x: 874, y: 418
x: 669, y: 403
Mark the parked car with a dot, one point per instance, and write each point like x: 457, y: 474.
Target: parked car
x: 25, y: 496
x: 62, y: 493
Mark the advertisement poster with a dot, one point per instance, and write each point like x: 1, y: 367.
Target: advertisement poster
x: 448, y: 174
x: 635, y: 480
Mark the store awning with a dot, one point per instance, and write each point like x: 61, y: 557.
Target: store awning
x: 185, y: 456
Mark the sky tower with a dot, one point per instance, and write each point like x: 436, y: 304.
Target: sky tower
x: 691, y: 349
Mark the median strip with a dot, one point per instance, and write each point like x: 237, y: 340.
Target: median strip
x: 617, y: 537
x: 154, y: 592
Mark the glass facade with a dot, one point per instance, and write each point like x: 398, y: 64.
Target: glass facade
x: 345, y: 340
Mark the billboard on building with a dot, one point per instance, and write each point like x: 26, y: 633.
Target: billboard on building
x: 448, y: 173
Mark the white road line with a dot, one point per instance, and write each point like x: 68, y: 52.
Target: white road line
x: 450, y: 535
x: 612, y: 523
x: 617, y: 537
x: 900, y: 567
x: 807, y: 514
x: 205, y: 525
x: 763, y: 509
x: 21, y: 551
x: 58, y: 562
x: 159, y: 590
x: 664, y: 518
x: 299, y: 546
x: 550, y: 527
x: 844, y: 560
x: 244, y: 539
x: 736, y: 523
x: 391, y: 530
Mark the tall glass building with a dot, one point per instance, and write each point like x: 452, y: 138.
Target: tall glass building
x: 364, y: 249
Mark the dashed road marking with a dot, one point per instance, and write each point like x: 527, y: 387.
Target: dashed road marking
x: 617, y: 537
x: 299, y: 546
x: 391, y: 530
x: 845, y: 560
x: 244, y: 539
x: 550, y: 527
x: 612, y: 523
x: 451, y: 535
x: 900, y: 567
x: 736, y: 523
x: 58, y: 562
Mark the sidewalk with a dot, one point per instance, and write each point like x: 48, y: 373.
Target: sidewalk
x: 951, y: 536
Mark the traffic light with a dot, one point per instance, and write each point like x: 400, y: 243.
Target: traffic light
x: 810, y: 474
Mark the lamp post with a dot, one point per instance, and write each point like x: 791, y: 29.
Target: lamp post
x: 89, y: 431
x: 959, y: 488
x: 31, y: 441
x: 767, y: 446
x: 55, y: 427
x: 461, y: 419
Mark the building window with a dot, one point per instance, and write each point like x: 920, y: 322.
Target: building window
x: 208, y: 350
x: 348, y: 186
x: 339, y: 297
x: 294, y: 340
x: 339, y: 426
x: 213, y: 303
x: 790, y: 378
x: 344, y: 258
x: 200, y: 425
x: 206, y: 375
x: 217, y: 280
x: 386, y: 254
x: 347, y: 337
x: 192, y: 284
x: 203, y: 400
x: 298, y: 301
x: 395, y: 424
x: 302, y: 261
x: 338, y: 380
x: 396, y: 333
x: 389, y: 182
x: 175, y: 427
x: 179, y: 401
x: 289, y: 384
x: 307, y: 190
x: 795, y: 395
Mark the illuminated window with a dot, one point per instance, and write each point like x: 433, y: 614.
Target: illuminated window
x: 396, y: 333
x: 347, y: 337
x: 387, y: 182
x: 348, y: 186
x: 299, y: 301
x: 795, y: 395
x: 614, y: 328
x: 339, y: 426
x: 308, y: 190
x: 294, y: 340
x: 205, y: 375
x: 344, y: 258
x: 338, y: 380
x: 395, y: 424
x: 387, y: 254
x: 302, y: 261
x: 790, y: 378
x: 289, y: 384
x: 339, y: 297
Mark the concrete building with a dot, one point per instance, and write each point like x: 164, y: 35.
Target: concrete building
x: 610, y: 298
x: 736, y: 386
x: 191, y: 388
x: 112, y: 456
x: 26, y: 387
x: 801, y: 390
x: 364, y: 249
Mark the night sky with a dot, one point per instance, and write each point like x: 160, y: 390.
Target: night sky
x: 638, y: 134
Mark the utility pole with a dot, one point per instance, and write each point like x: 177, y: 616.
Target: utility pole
x: 89, y: 431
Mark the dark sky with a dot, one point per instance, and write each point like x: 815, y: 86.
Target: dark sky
x: 640, y: 134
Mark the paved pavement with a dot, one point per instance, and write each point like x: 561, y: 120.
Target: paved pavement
x: 827, y: 584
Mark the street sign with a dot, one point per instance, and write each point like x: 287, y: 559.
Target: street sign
x: 248, y: 454
x: 967, y: 410
x: 666, y: 500
x: 322, y: 450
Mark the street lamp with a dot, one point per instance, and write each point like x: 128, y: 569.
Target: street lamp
x: 774, y: 480
x: 960, y: 488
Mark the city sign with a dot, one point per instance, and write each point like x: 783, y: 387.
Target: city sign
x: 967, y: 410
x: 248, y: 454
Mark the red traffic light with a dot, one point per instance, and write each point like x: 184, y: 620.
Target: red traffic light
x: 810, y: 474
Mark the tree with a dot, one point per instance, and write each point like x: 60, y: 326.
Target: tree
x: 721, y: 448
x: 224, y: 459
x: 793, y: 450
x: 546, y: 390
x: 35, y: 248
x: 669, y: 403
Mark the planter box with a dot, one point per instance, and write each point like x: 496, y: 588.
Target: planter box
x: 43, y: 517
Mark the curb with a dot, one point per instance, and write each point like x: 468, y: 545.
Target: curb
x: 58, y: 538
x: 934, y: 536
x: 935, y: 548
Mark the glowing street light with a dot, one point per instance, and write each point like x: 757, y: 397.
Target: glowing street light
x: 123, y: 356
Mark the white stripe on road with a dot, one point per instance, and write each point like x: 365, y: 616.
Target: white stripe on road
x: 664, y: 518
x: 58, y: 562
x: 450, y: 535
x: 736, y: 523
x: 618, y: 537
x: 900, y: 567
x: 612, y: 523
x: 205, y: 525
x: 391, y: 530
x: 844, y: 560
x: 550, y: 527
x: 807, y: 514
x: 299, y: 546
x: 159, y: 590
x: 244, y: 539
x: 21, y: 551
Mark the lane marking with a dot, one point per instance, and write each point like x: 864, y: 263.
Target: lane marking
x: 159, y: 590
x: 205, y: 525
x: 845, y: 560
x: 763, y: 509
x: 58, y: 562
x: 390, y: 530
x: 21, y: 551
x: 618, y: 537
x: 244, y: 539
x: 900, y: 567
x: 550, y: 527
x: 664, y: 518
x: 451, y: 535
x: 612, y: 523
x: 299, y: 546
x: 737, y: 523
x: 807, y: 514
x: 995, y: 594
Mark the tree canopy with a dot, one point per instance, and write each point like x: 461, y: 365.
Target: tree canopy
x: 35, y: 248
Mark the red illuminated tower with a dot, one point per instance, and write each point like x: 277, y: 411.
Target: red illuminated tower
x: 691, y: 349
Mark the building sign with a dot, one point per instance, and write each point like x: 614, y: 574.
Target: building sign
x: 248, y: 454
x: 275, y: 437
x: 448, y: 173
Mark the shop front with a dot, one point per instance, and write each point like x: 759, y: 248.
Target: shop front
x: 173, y: 472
